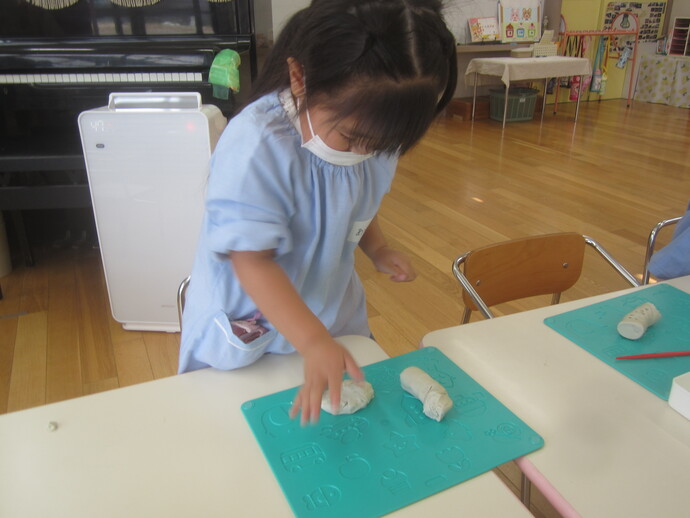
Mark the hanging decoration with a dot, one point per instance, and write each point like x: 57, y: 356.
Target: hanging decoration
x: 52, y: 5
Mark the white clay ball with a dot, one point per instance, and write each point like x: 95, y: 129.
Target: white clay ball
x: 354, y: 396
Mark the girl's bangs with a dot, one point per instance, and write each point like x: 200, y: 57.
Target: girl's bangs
x: 388, y: 117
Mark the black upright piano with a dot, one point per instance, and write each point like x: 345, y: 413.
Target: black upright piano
x: 61, y: 57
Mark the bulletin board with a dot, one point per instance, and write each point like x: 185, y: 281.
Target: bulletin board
x: 651, y: 16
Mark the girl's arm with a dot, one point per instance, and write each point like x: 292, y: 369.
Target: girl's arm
x: 386, y: 260
x: 275, y: 296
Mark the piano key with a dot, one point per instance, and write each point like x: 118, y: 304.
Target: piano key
x: 140, y: 77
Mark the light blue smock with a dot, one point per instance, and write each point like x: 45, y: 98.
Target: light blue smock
x: 267, y: 192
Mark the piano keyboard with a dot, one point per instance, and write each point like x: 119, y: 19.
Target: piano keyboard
x: 129, y: 77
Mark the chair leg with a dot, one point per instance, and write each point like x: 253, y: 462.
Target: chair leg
x: 555, y: 298
x: 181, y: 296
x: 466, y: 314
x: 525, y: 490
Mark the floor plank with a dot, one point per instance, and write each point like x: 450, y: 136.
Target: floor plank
x: 28, y: 378
x: 95, y: 347
x: 63, y: 374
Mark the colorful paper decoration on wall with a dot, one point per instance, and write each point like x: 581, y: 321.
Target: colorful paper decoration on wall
x: 520, y: 20
x: 484, y: 29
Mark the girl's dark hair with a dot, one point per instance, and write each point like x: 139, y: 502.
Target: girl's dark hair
x: 389, y: 64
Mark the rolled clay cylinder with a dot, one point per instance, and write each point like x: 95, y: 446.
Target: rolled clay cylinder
x: 354, y: 395
x: 635, y: 323
x: 435, y: 400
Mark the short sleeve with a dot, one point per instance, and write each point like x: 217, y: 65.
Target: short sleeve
x: 249, y: 200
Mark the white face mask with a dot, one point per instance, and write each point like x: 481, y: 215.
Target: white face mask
x: 327, y: 153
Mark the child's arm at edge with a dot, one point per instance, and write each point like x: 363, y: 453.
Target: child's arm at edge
x: 386, y: 260
x: 276, y: 297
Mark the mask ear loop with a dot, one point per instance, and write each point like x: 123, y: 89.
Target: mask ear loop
x: 311, y: 128
x: 306, y: 109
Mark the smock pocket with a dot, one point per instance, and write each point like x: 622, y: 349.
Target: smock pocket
x: 240, y: 342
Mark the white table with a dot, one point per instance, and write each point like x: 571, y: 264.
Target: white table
x: 178, y: 447
x: 612, y: 448
x: 518, y: 69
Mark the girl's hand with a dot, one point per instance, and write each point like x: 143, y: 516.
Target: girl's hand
x: 324, y: 363
x: 394, y: 262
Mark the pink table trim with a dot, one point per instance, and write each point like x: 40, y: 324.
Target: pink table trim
x: 550, y: 493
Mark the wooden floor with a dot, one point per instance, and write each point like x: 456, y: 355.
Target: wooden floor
x: 612, y: 175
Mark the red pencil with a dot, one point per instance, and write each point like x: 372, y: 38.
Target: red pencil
x: 654, y: 355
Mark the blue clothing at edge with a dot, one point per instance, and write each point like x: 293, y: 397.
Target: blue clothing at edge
x: 267, y: 192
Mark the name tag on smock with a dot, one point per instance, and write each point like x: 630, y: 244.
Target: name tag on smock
x: 357, y: 230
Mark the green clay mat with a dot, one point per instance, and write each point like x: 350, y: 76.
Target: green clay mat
x: 594, y: 329
x: 389, y: 454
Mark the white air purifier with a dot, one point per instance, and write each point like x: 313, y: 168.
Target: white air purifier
x: 147, y: 159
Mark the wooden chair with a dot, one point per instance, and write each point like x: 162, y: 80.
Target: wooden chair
x: 651, y: 244
x: 525, y: 267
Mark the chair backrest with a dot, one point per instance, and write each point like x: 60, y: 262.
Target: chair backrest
x: 525, y: 267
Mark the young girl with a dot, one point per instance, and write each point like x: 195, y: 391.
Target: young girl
x: 297, y: 179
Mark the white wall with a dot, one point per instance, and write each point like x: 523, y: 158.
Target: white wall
x: 679, y: 8
x: 282, y: 10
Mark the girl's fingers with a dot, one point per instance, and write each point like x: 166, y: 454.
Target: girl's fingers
x: 308, y: 399
x: 334, y: 387
x: 296, y: 404
x: 352, y: 368
x: 315, y: 396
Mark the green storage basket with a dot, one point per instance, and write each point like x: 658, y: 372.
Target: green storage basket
x: 521, y: 103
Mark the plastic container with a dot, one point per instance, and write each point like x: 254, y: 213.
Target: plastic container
x: 679, y: 399
x: 521, y: 104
